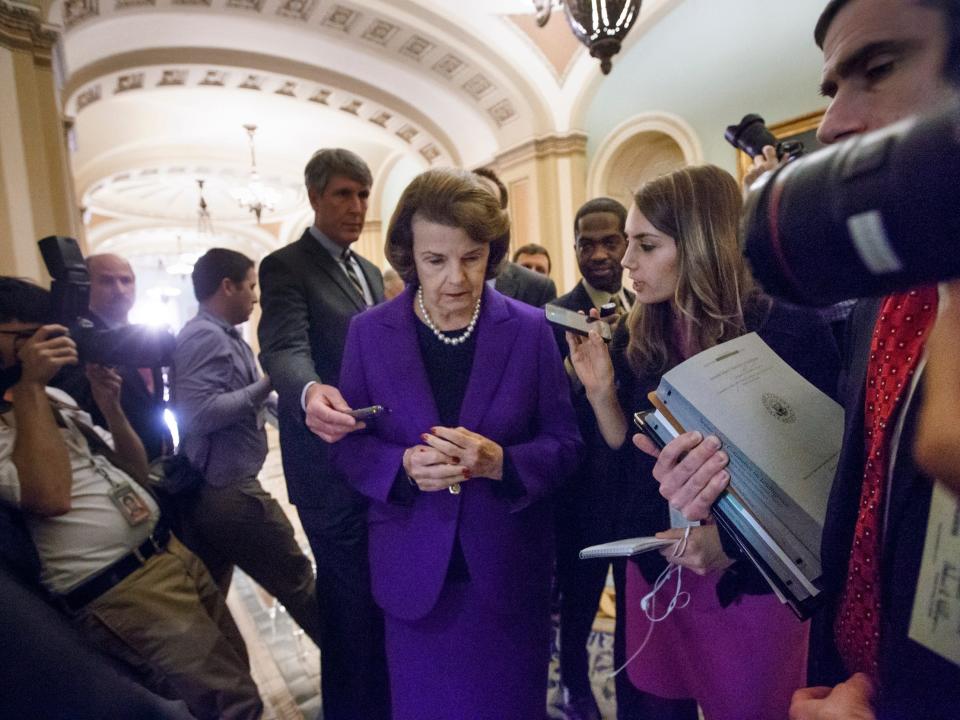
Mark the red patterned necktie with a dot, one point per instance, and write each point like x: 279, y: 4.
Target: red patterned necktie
x: 898, y: 338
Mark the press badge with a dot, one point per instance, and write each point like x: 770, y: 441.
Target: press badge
x: 130, y: 505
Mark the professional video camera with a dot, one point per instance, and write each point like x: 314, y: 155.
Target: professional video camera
x: 752, y: 134
x: 131, y: 345
x: 875, y: 214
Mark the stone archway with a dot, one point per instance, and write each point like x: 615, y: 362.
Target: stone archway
x: 638, y: 150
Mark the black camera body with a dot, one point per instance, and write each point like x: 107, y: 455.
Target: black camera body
x: 131, y: 345
x: 875, y: 214
x: 752, y: 134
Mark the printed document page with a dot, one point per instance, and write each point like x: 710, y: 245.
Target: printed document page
x: 770, y: 417
x: 935, y: 622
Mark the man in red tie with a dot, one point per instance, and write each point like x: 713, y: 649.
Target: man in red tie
x: 884, y: 60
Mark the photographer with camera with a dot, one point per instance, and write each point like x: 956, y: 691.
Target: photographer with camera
x: 106, y: 556
x: 884, y: 60
x: 112, y: 289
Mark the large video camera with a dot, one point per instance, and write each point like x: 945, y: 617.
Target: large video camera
x: 130, y: 345
x: 875, y: 214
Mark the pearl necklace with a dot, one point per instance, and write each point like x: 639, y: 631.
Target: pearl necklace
x: 437, y: 332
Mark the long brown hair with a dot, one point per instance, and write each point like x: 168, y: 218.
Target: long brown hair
x: 699, y: 207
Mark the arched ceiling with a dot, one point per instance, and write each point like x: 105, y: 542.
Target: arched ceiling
x: 159, y: 91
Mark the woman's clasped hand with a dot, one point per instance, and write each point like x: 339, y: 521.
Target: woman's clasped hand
x: 449, y: 456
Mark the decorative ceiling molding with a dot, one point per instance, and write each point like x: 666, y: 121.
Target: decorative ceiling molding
x: 416, y: 47
x: 155, y: 70
x: 76, y: 11
x: 380, y: 32
x: 297, y: 9
x: 169, y: 193
x: 139, y: 237
x: 574, y: 143
x: 22, y: 29
x: 341, y: 18
x: 473, y: 77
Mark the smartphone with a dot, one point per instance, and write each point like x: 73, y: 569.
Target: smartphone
x: 575, y: 322
x: 367, y: 413
x: 640, y: 419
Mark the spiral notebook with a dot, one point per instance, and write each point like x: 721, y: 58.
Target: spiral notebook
x: 625, y: 548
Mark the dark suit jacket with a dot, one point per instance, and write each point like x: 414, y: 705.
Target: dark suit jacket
x: 144, y: 410
x: 308, y: 302
x: 525, y: 285
x: 511, y: 398
x: 915, y: 682
x: 588, y: 501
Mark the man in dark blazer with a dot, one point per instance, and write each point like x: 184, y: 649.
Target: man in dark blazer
x: 514, y: 280
x: 310, y: 290
x: 587, y: 504
x: 527, y: 286
x: 113, y: 290
x: 883, y: 61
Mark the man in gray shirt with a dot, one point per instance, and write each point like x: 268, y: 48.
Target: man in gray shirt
x: 219, y: 397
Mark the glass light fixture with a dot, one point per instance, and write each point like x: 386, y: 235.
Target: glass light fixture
x: 184, y: 261
x: 255, y: 196
x: 601, y: 25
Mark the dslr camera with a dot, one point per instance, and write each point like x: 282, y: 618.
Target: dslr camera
x: 878, y: 213
x: 131, y: 345
x: 752, y: 134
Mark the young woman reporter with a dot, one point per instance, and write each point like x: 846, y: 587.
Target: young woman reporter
x: 731, y: 645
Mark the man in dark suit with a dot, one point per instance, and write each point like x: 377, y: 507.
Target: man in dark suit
x: 587, y: 505
x: 883, y: 61
x: 514, y: 280
x: 113, y: 290
x: 309, y: 292
x: 527, y: 286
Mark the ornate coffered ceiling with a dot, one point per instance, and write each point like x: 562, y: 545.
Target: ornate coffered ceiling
x: 159, y: 90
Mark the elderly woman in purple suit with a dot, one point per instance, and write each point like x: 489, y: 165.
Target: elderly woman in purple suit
x: 479, y: 432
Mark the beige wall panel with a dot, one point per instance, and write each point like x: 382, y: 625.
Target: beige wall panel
x: 554, y: 169
x: 370, y: 244
x: 36, y: 192
x: 522, y: 229
x: 18, y: 253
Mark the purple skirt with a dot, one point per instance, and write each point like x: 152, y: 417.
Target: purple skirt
x: 465, y: 661
x: 742, y: 662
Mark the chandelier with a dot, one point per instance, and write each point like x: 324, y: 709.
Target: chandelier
x: 255, y: 196
x: 601, y: 25
x: 184, y: 262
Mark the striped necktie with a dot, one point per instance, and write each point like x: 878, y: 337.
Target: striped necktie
x: 347, y: 258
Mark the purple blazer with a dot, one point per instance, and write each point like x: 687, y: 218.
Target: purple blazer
x: 517, y: 396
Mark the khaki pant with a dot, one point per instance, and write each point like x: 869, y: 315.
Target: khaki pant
x: 169, y: 622
x: 243, y: 525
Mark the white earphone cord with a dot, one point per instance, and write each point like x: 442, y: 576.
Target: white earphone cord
x: 680, y: 599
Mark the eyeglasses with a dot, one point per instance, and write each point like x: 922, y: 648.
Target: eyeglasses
x: 21, y: 334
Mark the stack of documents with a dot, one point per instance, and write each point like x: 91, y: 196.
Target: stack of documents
x: 783, y: 438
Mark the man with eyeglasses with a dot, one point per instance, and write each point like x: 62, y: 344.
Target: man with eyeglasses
x: 105, y: 555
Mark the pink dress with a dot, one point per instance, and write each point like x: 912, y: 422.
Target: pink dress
x: 742, y: 662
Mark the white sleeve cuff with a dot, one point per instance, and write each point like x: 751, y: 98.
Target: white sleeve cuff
x: 303, y: 395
